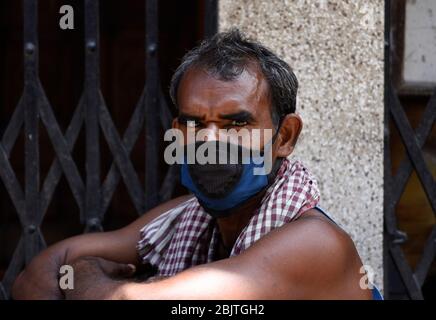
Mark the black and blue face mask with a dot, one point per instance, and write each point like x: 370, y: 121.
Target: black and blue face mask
x: 236, y: 175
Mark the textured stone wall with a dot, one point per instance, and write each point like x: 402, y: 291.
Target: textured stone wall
x: 336, y: 50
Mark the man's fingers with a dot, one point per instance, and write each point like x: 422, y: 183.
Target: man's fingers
x: 115, y: 269
x: 125, y: 270
x: 110, y: 268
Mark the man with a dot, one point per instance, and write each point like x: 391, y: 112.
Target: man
x: 240, y: 236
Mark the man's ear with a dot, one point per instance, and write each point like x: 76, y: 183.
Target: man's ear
x: 288, y: 134
x: 175, y: 123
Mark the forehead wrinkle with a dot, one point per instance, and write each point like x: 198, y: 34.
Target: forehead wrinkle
x: 253, y: 93
x: 248, y: 88
x: 260, y: 91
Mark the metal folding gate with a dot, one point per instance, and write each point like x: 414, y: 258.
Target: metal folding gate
x: 413, y: 141
x: 92, y: 196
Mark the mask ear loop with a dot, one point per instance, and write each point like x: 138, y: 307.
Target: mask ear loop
x: 270, y: 143
x: 278, y: 163
x: 282, y: 117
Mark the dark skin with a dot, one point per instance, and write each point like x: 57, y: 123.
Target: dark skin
x: 243, y: 103
x: 327, y: 264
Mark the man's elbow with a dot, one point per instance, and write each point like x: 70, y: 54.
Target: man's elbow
x: 39, y: 280
x: 18, y: 290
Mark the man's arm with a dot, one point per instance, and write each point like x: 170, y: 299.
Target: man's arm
x: 40, y: 278
x: 306, y: 259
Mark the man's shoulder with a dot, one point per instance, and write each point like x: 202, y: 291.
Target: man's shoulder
x: 311, y: 253
x: 319, y: 232
x: 323, y: 223
x: 173, y: 203
x: 313, y: 233
x: 168, y: 205
x: 157, y: 211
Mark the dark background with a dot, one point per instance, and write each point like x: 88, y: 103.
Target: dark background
x: 61, y: 69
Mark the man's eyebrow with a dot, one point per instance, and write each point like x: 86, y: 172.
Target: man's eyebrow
x: 238, y: 116
x: 183, y: 117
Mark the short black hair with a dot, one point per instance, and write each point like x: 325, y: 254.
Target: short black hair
x: 227, y: 54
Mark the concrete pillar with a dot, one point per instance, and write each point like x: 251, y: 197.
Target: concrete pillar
x: 336, y: 50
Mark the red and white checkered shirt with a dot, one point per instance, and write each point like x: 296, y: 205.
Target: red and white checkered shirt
x: 186, y: 235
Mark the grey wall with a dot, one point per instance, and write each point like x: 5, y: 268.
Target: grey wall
x: 336, y: 50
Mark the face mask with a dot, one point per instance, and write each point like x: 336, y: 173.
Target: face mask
x: 229, y: 181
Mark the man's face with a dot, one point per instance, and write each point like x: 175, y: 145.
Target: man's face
x: 213, y: 104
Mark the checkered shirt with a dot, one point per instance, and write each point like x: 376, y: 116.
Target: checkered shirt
x: 186, y: 235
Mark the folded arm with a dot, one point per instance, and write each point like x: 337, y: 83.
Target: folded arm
x: 306, y: 259
x: 39, y: 280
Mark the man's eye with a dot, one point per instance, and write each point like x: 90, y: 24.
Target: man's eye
x: 192, y: 124
x: 237, y: 123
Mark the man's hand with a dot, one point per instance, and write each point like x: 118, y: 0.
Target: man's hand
x: 111, y: 269
x: 40, y: 278
x: 97, y: 278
